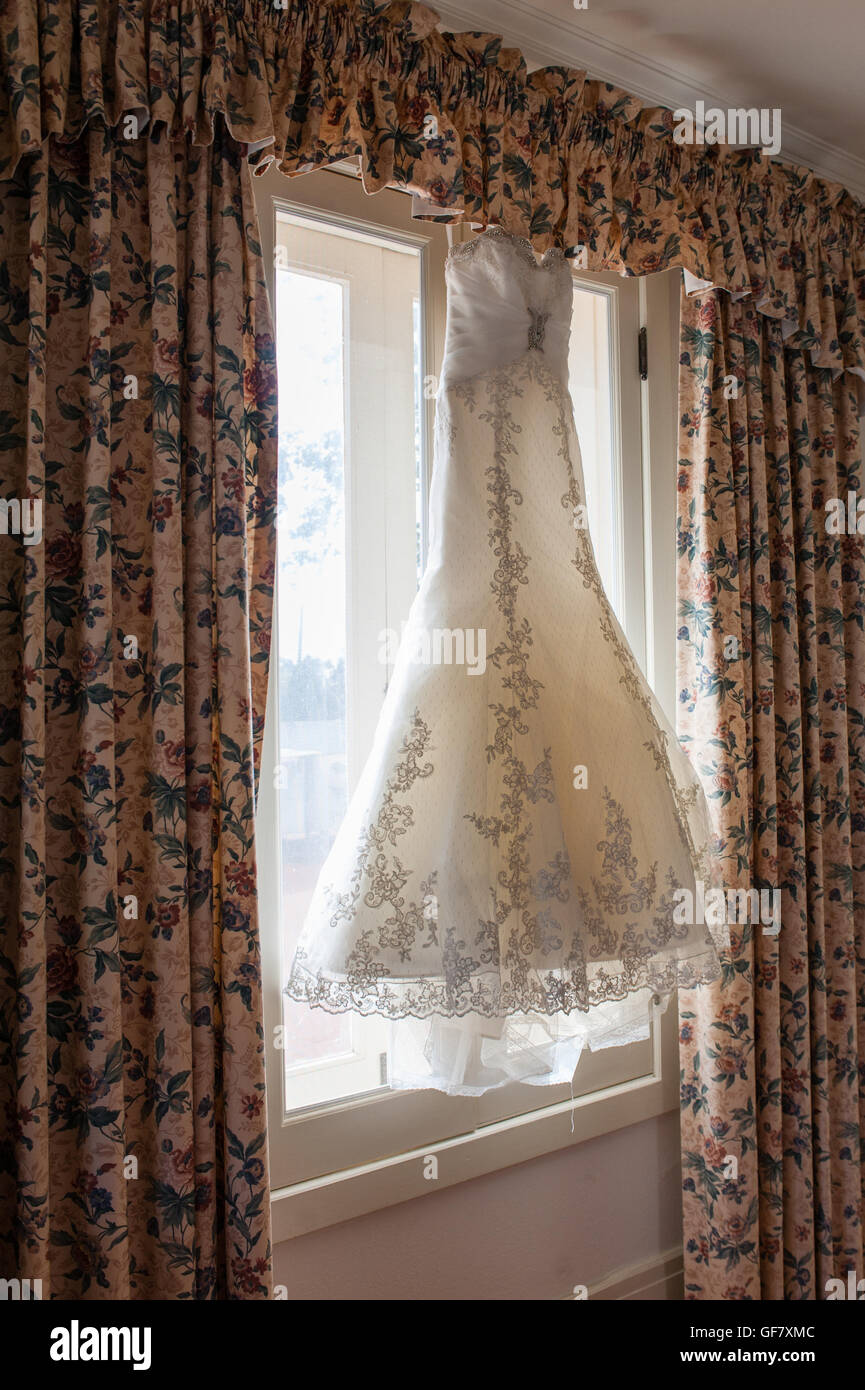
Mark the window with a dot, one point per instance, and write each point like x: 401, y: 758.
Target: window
x: 359, y: 308
x: 350, y: 526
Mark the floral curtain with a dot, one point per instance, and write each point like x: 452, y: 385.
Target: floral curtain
x: 772, y: 700
x: 457, y: 118
x: 137, y: 408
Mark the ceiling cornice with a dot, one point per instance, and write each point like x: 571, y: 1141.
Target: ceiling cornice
x: 547, y: 41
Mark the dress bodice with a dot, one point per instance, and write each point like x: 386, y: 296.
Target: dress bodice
x: 502, y: 303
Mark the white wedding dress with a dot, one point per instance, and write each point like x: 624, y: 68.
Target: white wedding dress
x: 500, y: 911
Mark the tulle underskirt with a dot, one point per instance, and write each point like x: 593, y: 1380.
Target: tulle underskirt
x: 470, y: 1055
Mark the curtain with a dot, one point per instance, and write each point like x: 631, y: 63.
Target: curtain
x: 772, y: 709
x: 137, y: 406
x: 457, y: 119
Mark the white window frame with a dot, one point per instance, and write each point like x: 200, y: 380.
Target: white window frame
x: 624, y: 298
x: 338, y: 1161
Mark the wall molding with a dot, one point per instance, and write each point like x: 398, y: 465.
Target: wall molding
x: 661, y: 1278
x: 547, y: 40
x: 340, y: 1196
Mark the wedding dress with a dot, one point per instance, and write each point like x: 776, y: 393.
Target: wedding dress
x: 505, y: 885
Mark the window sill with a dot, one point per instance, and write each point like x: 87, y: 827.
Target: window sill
x: 340, y: 1196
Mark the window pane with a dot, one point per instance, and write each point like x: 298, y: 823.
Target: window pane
x: 312, y: 586
x: 591, y: 387
x: 350, y: 486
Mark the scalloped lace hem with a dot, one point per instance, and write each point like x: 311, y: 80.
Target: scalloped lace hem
x: 544, y: 993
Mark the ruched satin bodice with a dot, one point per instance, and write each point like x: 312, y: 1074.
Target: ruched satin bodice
x: 502, y: 303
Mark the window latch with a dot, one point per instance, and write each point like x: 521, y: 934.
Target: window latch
x: 643, y: 353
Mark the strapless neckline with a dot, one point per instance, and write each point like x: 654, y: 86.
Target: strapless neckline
x: 552, y: 256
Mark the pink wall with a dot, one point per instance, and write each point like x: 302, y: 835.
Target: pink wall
x: 529, y: 1232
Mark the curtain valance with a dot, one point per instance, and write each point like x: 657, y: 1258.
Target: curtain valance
x: 457, y: 118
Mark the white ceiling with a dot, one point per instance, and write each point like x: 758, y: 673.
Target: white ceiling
x: 805, y: 56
